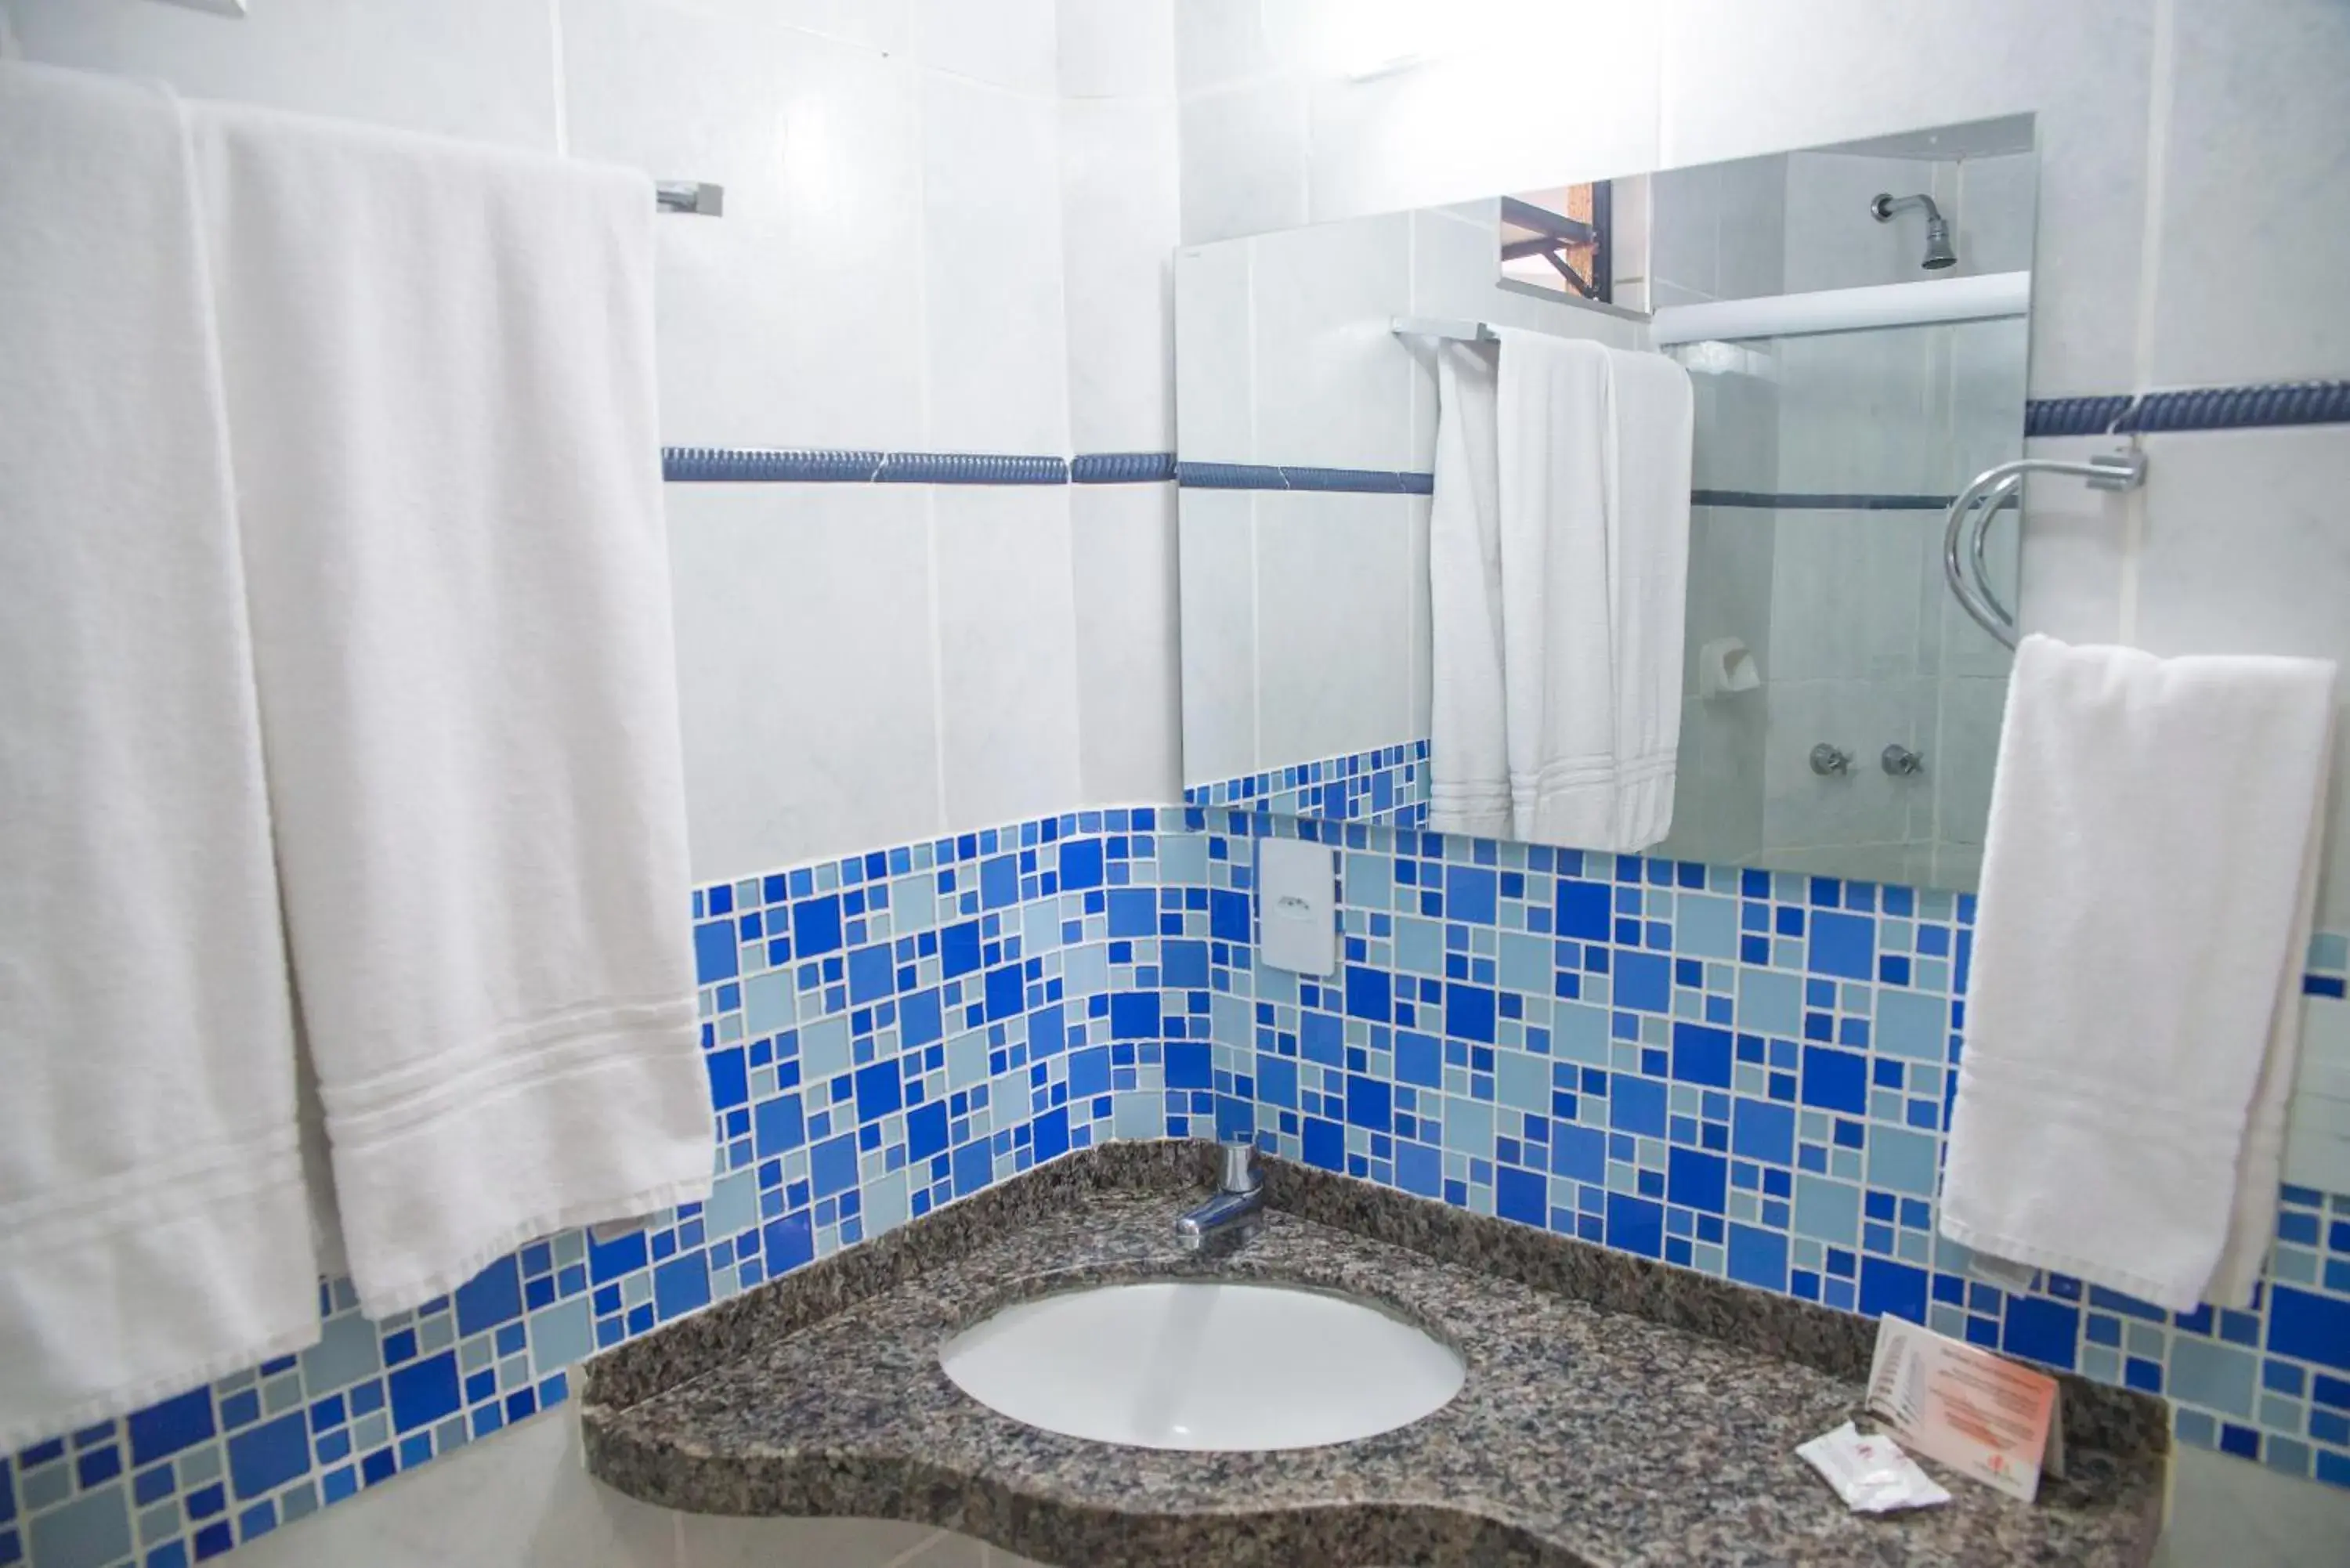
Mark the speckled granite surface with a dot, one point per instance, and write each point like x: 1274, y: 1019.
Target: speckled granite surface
x: 1618, y: 1412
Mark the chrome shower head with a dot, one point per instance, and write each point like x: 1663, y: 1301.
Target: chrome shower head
x: 1939, y: 254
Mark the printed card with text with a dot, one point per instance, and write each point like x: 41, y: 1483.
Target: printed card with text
x: 1994, y: 1419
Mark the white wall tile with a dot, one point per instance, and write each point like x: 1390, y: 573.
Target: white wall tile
x: 1215, y: 396
x: 1996, y: 212
x: 2247, y: 552
x: 477, y: 68
x: 805, y: 670
x: 1217, y: 570
x: 1333, y: 383
x: 993, y: 301
x: 1007, y: 652
x: 794, y: 319
x: 1334, y: 664
x: 1960, y: 754
x: 1118, y: 175
x: 1739, y: 78
x: 1243, y: 161
x: 1117, y: 48
x: 519, y: 1499
x: 886, y: 25
x: 1219, y: 43
x: 1497, y: 116
x: 1005, y: 43
x: 1130, y: 681
x: 1844, y: 600
x: 2254, y: 247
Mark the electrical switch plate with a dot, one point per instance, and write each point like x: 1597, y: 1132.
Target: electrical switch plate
x: 1297, y: 893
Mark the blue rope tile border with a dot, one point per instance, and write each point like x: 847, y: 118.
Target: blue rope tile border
x: 2271, y: 405
x: 1819, y: 501
x: 762, y: 465
x: 2263, y: 405
x: 1268, y: 476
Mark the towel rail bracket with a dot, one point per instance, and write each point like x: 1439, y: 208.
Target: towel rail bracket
x: 1971, y: 513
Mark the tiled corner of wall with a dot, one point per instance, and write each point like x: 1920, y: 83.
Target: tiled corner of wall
x: 883, y: 1033
x: 1738, y: 1072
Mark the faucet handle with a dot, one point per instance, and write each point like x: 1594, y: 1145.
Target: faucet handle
x: 1240, y: 1167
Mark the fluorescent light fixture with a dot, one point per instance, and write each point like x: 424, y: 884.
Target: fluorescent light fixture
x: 217, y: 8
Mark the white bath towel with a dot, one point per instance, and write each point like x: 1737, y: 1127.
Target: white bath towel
x: 1595, y: 448
x: 152, y: 1231
x: 1469, y: 757
x: 439, y: 369
x: 2133, y: 1011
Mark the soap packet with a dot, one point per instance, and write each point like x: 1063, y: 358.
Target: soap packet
x: 1870, y: 1473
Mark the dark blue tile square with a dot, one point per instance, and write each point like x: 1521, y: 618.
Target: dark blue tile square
x: 1835, y: 1080
x: 262, y: 1459
x: 1369, y: 1102
x: 1701, y: 1054
x: 1636, y: 1224
x: 815, y: 926
x: 490, y: 1298
x: 423, y: 1392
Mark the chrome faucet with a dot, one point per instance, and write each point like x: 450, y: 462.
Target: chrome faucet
x: 1240, y: 1194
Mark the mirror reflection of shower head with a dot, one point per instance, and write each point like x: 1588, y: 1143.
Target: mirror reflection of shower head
x: 1939, y: 254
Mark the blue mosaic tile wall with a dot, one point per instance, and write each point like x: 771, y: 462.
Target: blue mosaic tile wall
x: 1733, y: 1071
x: 883, y: 1033
x: 1738, y: 1072
x: 1388, y: 785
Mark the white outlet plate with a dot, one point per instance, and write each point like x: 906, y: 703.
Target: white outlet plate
x: 1297, y: 893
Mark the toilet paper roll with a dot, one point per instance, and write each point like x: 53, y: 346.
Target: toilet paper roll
x: 1726, y: 665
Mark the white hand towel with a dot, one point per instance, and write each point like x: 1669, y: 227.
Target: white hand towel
x: 439, y: 369
x: 1595, y: 448
x: 152, y: 1229
x: 1469, y: 789
x: 2133, y: 1011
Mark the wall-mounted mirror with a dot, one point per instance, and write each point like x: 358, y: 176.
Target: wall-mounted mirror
x: 1852, y: 322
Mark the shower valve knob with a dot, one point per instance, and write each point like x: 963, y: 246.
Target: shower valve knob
x: 1829, y: 761
x: 1900, y: 761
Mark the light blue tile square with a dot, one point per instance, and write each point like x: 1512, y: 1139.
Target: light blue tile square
x: 1523, y: 1081
x: 1706, y: 926
x: 2214, y: 1376
x: 1418, y: 946
x: 1770, y: 1003
x: 1370, y: 881
x: 92, y: 1531
x: 967, y: 1060
x: 1827, y: 1211
x: 560, y: 1335
x: 769, y: 1004
x: 1579, y: 1033
x: 1525, y: 964
x: 1469, y: 1127
x: 1182, y: 858
x: 1084, y: 970
x: 1911, y: 1025
x: 1901, y: 1161
x: 824, y: 1051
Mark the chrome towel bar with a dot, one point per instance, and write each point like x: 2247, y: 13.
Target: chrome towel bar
x: 1970, y: 515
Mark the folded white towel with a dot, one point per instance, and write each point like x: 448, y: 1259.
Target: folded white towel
x: 439, y: 369
x: 2134, y: 1014
x: 1595, y: 450
x: 151, y: 1212
x: 1468, y: 760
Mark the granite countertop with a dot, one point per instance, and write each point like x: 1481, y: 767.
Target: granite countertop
x: 1617, y: 1411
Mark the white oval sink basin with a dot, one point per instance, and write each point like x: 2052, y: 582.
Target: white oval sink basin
x: 1183, y: 1364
